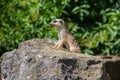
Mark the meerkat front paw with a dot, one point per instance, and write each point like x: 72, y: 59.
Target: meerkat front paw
x: 54, y: 47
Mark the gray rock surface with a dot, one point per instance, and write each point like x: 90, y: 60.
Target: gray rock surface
x: 36, y: 60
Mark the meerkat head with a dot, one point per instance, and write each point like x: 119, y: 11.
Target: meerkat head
x: 58, y: 23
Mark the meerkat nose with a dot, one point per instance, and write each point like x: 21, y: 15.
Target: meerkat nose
x: 51, y: 24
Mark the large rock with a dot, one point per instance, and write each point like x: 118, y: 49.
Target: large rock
x: 36, y: 60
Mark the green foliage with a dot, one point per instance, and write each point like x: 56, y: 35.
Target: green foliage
x: 96, y: 25
x: 105, y: 38
x: 25, y: 19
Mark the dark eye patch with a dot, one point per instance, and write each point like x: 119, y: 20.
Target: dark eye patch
x: 55, y: 21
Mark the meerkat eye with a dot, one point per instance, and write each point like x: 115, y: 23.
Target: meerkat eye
x: 55, y: 21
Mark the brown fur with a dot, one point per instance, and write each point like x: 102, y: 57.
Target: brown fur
x: 65, y: 37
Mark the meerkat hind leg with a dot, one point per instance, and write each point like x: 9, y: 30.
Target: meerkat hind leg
x: 73, y: 49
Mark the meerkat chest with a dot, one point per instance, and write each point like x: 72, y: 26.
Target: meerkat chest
x: 62, y: 34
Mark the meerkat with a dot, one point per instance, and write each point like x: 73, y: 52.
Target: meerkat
x: 65, y: 37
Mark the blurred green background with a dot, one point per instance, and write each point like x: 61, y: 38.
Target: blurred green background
x: 94, y: 23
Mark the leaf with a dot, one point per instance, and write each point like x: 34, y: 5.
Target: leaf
x: 76, y: 9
